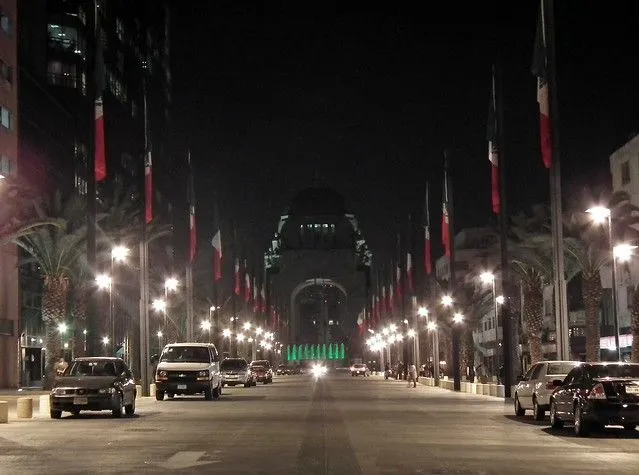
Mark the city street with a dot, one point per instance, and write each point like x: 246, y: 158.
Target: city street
x: 337, y: 425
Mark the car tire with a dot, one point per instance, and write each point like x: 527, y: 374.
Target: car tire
x: 519, y: 411
x: 630, y: 426
x: 118, y: 411
x: 254, y: 383
x: 159, y: 395
x: 582, y: 428
x: 170, y: 395
x: 208, y: 393
x: 247, y: 385
x: 538, y: 412
x: 555, y: 422
x: 217, y: 392
x: 55, y: 414
x: 129, y: 409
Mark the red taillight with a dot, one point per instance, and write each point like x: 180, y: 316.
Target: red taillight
x: 597, y: 392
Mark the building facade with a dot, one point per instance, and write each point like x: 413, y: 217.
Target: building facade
x: 9, y: 114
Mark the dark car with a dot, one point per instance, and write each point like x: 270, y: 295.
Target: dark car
x: 284, y: 369
x: 94, y: 384
x: 594, y: 395
x: 262, y: 371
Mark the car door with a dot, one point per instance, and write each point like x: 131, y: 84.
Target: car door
x: 215, y: 366
x: 524, y: 392
x: 535, y: 380
x: 125, y: 379
x: 565, y: 396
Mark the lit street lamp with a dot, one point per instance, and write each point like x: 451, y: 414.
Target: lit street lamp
x: 205, y: 325
x: 104, y: 282
x: 458, y: 318
x: 447, y: 300
x: 159, y: 305
x: 500, y: 299
x: 246, y: 326
x: 119, y: 253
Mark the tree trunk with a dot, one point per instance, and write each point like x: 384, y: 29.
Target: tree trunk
x: 534, y: 319
x: 54, y: 312
x: 80, y: 318
x: 592, y: 294
x: 468, y: 353
x: 634, y: 326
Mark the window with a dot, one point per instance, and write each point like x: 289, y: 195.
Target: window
x: 80, y: 185
x: 6, y: 118
x: 65, y: 38
x: 62, y: 74
x: 6, y: 166
x: 6, y: 72
x: 6, y: 25
x: 537, y: 371
x: 625, y: 173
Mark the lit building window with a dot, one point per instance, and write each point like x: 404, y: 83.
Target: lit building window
x: 6, y: 166
x: 625, y: 173
x: 6, y: 25
x: 62, y: 74
x: 6, y: 73
x: 80, y: 185
x: 6, y: 118
x: 65, y: 38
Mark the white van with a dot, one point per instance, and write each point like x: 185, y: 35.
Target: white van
x: 188, y: 368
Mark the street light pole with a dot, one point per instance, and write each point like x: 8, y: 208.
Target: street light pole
x: 615, y: 311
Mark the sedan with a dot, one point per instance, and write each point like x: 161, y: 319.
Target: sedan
x: 94, y: 384
x: 594, y: 395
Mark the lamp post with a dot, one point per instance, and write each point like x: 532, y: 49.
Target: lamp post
x: 159, y: 335
x: 103, y: 282
x: 226, y: 333
x: 621, y: 253
x: 447, y: 302
x: 170, y: 285
x: 488, y: 278
x: 205, y: 325
x: 119, y: 255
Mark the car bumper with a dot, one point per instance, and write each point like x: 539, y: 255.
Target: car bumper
x: 262, y: 378
x: 363, y: 373
x: 612, y: 413
x: 190, y: 387
x: 101, y: 402
x: 234, y: 381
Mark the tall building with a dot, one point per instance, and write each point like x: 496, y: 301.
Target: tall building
x: 9, y: 298
x: 122, y: 48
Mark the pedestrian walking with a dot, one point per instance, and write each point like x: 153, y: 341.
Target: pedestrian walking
x: 412, y: 376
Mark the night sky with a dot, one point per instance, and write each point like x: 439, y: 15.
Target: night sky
x: 270, y: 98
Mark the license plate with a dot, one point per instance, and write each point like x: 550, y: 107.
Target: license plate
x: 181, y: 386
x: 632, y: 389
x: 232, y: 376
x: 80, y: 400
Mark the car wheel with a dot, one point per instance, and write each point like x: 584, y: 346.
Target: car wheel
x: 216, y: 392
x: 55, y: 414
x: 629, y: 426
x: 247, y: 385
x: 208, y: 393
x: 555, y: 422
x: 538, y: 412
x: 129, y: 409
x: 582, y: 429
x: 118, y: 411
x: 254, y: 383
x: 519, y: 411
x: 159, y: 395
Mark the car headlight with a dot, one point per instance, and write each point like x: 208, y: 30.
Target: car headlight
x: 106, y: 390
x: 161, y: 375
x: 203, y: 374
x: 58, y: 391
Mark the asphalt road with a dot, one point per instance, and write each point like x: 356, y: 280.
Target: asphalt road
x: 337, y: 425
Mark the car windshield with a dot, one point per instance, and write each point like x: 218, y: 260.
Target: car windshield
x: 614, y: 371
x: 233, y: 364
x: 92, y: 368
x: 259, y: 363
x: 185, y: 354
x: 560, y: 368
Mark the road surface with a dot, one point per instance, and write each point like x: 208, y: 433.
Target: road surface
x: 337, y: 425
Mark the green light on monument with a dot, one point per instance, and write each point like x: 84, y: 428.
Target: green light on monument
x: 341, y: 351
x: 323, y: 356
x: 288, y: 353
x: 330, y: 351
x: 294, y: 353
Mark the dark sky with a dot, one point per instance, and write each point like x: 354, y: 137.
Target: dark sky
x: 268, y: 98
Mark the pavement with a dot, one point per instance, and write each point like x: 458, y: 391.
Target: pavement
x: 298, y: 425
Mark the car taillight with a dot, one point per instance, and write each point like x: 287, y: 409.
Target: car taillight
x: 597, y: 392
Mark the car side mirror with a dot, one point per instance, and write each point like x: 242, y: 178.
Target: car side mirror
x: 557, y: 382
x: 154, y: 359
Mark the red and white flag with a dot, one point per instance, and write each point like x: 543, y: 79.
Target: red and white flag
x: 262, y: 299
x: 493, y: 152
x: 540, y: 69
x: 428, y: 259
x: 100, y: 147
x: 256, y: 298
x: 238, y: 283
x: 446, y: 234
x: 216, y: 242
x: 247, y: 285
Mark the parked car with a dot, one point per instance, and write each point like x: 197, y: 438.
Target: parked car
x: 594, y: 395
x: 94, y: 384
x: 236, y: 371
x: 262, y: 371
x: 188, y: 368
x: 359, y: 368
x: 284, y: 369
x: 535, y: 387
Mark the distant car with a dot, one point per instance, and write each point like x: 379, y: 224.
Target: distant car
x: 535, y: 388
x: 359, y: 368
x: 236, y: 371
x: 283, y: 369
x: 262, y: 371
x: 594, y: 395
x: 94, y: 384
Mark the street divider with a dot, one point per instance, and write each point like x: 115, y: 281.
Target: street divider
x: 138, y: 391
x: 24, y: 408
x: 4, y: 412
x: 495, y: 390
x: 152, y: 390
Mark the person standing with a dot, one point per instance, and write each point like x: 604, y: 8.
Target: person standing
x: 412, y: 376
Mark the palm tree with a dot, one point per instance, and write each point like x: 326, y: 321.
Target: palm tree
x: 56, y: 249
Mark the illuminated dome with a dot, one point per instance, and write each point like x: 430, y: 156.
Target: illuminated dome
x: 317, y: 201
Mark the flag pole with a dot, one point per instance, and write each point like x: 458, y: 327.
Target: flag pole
x: 451, y: 283
x: 561, y: 303
x: 232, y: 347
x: 508, y: 323
x: 192, y: 250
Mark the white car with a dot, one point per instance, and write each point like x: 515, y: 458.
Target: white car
x: 359, y: 368
x: 236, y: 371
x: 534, y: 389
x: 188, y: 368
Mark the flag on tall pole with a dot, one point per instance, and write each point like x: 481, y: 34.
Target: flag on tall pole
x: 540, y: 69
x: 247, y: 283
x: 428, y: 260
x: 446, y: 234
x: 256, y: 298
x: 148, y: 166
x: 238, y: 284
x: 100, y: 148
x: 409, y: 272
x: 216, y: 242
x: 493, y: 150
x: 192, y: 227
x: 263, y: 298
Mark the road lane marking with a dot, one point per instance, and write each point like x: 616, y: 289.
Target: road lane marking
x: 185, y: 459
